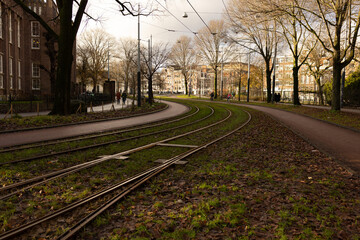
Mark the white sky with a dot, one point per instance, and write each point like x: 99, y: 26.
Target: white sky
x: 126, y: 26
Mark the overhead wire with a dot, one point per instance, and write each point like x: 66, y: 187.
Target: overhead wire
x: 200, y: 17
x: 176, y: 18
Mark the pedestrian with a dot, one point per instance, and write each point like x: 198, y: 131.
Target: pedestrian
x: 228, y: 97
x: 212, y: 96
x: 118, y: 97
x: 123, y: 96
x: 277, y: 97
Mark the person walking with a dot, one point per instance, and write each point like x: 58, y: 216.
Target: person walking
x: 118, y: 97
x: 123, y: 96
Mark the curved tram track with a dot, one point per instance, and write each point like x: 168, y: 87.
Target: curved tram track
x: 115, y: 192
x: 63, y: 172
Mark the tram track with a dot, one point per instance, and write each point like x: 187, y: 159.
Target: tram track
x: 134, y: 182
x: 92, y: 136
x: 73, y: 169
x: 52, y: 154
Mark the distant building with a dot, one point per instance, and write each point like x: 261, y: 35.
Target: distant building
x: 284, y: 83
x: 201, y: 79
x: 23, y: 51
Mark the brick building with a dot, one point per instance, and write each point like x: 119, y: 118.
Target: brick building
x: 23, y: 50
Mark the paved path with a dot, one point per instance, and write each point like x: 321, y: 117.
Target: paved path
x: 341, y: 143
x: 106, y: 107
x: 17, y: 138
x: 350, y: 110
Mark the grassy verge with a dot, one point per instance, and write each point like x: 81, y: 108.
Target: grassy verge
x: 263, y: 182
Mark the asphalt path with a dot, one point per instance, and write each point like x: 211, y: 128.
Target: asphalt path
x: 340, y: 143
x: 19, y: 138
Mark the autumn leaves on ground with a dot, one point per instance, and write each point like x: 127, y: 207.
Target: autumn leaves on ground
x: 264, y: 182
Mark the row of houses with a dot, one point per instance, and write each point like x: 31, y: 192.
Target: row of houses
x: 201, y: 79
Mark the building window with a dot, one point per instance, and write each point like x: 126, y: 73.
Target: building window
x: 10, y: 28
x: 35, y: 29
x: 19, y: 75
x: 40, y: 10
x: 18, y: 33
x: 36, y: 84
x: 35, y: 43
x: 35, y: 70
x: 11, y: 73
x: 1, y: 35
x: 36, y: 76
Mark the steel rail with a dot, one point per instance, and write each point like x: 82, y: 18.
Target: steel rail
x: 94, y: 145
x: 73, y: 169
x: 83, y: 222
x: 91, y: 136
x: 141, y: 177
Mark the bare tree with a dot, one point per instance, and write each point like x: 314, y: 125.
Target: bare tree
x: 214, y: 46
x: 82, y: 65
x: 98, y: 45
x: 153, y: 61
x: 183, y: 56
x: 318, y: 65
x: 296, y: 37
x: 128, y: 53
x: 255, y: 32
x: 340, y: 20
x: 159, y: 80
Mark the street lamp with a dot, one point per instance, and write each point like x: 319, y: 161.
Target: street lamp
x: 138, y: 64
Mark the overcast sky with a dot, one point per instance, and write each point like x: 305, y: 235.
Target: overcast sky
x: 157, y: 26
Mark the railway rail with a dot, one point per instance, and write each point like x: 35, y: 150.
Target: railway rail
x: 124, y: 187
x: 52, y: 154
x: 92, y: 136
x: 63, y: 172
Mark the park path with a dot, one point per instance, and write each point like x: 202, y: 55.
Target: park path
x: 25, y: 137
x: 340, y: 143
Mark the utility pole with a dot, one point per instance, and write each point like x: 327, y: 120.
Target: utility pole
x: 108, y: 62
x: 222, y: 76
x: 138, y: 63
x: 248, y: 82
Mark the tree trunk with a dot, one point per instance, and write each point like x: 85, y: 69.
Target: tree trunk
x: 186, y: 83
x: 320, y: 91
x: 65, y: 59
x: 150, y: 89
x: 239, y: 87
x: 268, y: 80
x: 296, y: 85
x: 215, y: 83
x: 335, y: 100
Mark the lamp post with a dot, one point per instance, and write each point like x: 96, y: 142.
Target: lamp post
x: 138, y: 64
x: 248, y: 82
